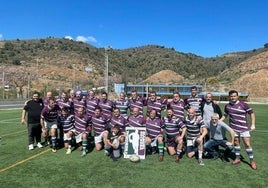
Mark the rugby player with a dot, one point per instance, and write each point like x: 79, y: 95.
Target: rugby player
x: 118, y: 119
x: 82, y: 129
x: 91, y: 101
x: 66, y: 121
x: 177, y: 104
x: 106, y: 105
x: 100, y: 125
x: 237, y: 112
x: 136, y: 101
x: 196, y: 131
x: 49, y: 118
x: 194, y: 101
x: 157, y: 103
x: 79, y: 101
x: 136, y: 119
x: 122, y: 104
x: 175, y: 130
x: 154, y: 133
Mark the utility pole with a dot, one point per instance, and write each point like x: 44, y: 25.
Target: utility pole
x: 107, y: 68
x: 28, y: 91
x: 3, y: 82
x: 73, y: 76
x: 37, y: 68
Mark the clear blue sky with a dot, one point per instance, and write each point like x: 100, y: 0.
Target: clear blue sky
x: 203, y: 27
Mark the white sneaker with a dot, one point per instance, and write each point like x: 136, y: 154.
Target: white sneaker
x: 69, y: 151
x: 31, y: 147
x: 39, y: 145
x: 83, y: 154
x: 200, y: 162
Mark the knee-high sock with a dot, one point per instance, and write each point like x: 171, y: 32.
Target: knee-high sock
x: 250, y: 154
x: 237, y: 151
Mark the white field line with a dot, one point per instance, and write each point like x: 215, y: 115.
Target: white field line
x: 6, y: 121
x: 10, y: 120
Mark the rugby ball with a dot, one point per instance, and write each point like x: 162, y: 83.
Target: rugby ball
x: 116, y: 143
x: 134, y: 158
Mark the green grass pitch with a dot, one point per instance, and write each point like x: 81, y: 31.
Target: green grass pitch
x: 42, y: 168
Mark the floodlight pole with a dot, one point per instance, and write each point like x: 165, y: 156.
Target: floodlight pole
x: 73, y: 76
x: 107, y: 68
x: 28, y: 90
x: 3, y: 82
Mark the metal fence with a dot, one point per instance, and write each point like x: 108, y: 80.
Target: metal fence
x: 6, y: 104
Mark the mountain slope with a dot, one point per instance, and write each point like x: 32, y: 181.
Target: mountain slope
x: 55, y: 64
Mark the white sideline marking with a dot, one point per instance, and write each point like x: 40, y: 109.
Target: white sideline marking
x: 9, y: 120
x: 261, y: 131
x: 13, y: 133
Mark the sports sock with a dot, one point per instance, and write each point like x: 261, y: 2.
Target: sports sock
x: 179, y: 152
x: 84, y: 145
x: 237, y: 151
x: 122, y: 145
x: 250, y: 154
x: 200, y: 154
x: 53, y: 140
x: 161, y: 148
x: 69, y: 142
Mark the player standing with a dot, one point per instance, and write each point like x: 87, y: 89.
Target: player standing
x: 237, y: 112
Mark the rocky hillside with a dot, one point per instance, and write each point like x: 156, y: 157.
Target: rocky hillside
x: 59, y: 64
x: 164, y: 76
x: 250, y: 76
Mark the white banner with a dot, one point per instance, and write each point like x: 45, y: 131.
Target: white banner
x: 135, y: 142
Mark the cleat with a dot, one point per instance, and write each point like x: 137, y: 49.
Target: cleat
x: 215, y: 157
x: 253, y: 165
x: 83, y: 154
x: 177, y: 159
x: 39, y: 145
x: 201, y: 162
x: 69, y: 151
x: 107, y: 153
x: 31, y: 147
x: 225, y: 159
x: 161, y: 158
x: 236, y: 161
x: 53, y: 150
x: 154, y: 150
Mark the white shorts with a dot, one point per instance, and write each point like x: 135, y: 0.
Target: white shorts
x: 242, y: 134
x: 99, y: 139
x: 50, y: 125
x: 191, y: 142
x: 154, y: 141
x: 65, y: 134
x: 78, y: 138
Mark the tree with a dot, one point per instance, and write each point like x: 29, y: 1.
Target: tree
x: 8, y: 46
x: 212, y: 80
x: 19, y: 80
x: 16, y: 61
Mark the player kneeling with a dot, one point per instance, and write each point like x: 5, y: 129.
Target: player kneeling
x: 113, y: 144
x: 66, y: 121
